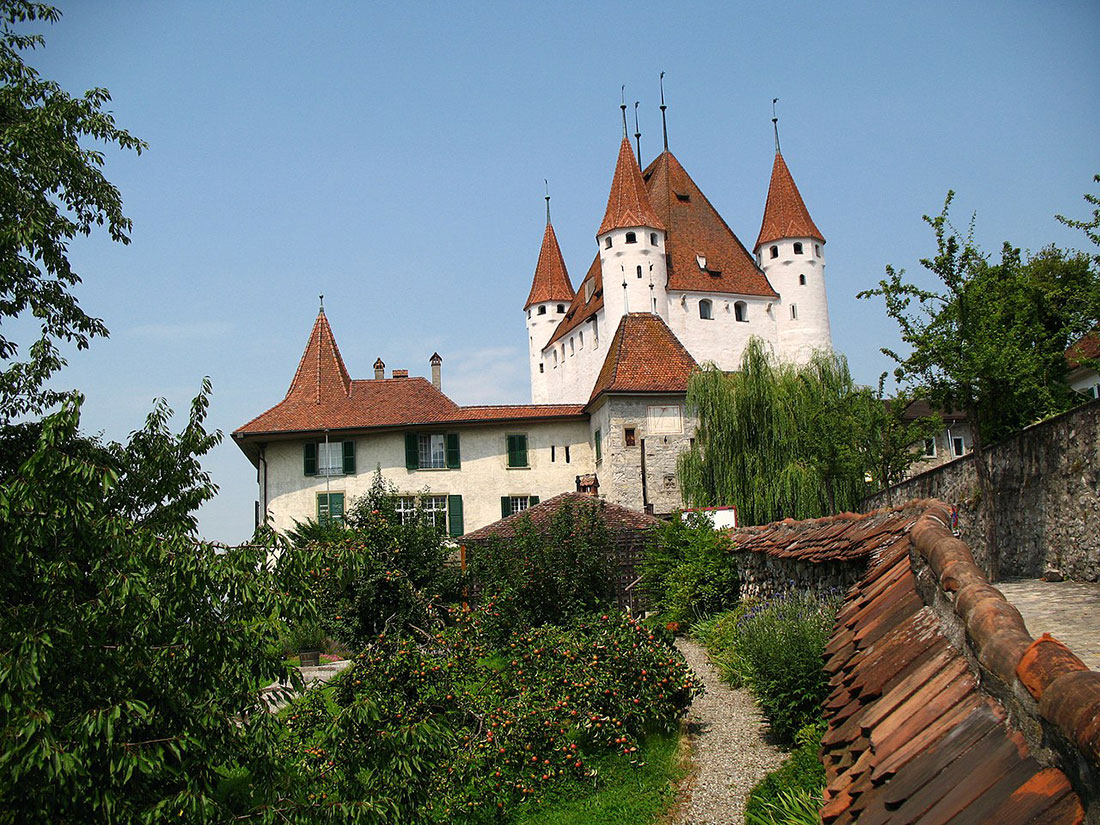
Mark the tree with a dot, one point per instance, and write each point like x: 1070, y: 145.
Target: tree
x: 991, y: 340
x: 777, y: 440
x: 895, y: 441
x: 52, y: 189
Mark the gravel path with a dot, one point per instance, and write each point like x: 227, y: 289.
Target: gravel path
x: 731, y: 750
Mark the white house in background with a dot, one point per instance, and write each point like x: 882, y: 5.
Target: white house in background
x: 670, y: 287
x: 1081, y: 376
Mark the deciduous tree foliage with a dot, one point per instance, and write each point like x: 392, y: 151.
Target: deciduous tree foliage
x: 990, y: 339
x: 52, y: 189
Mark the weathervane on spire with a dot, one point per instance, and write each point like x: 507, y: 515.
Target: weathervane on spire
x: 322, y: 297
x: 622, y: 99
x: 545, y: 181
x: 775, y: 124
x: 664, y: 124
x: 637, y: 132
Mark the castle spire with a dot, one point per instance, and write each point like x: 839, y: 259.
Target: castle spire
x: 551, y: 281
x: 628, y: 203
x: 785, y: 213
x: 664, y: 124
x: 321, y: 373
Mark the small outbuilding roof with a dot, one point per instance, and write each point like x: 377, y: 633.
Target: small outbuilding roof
x: 615, y: 518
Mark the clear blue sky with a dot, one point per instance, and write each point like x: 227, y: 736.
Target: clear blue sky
x: 392, y: 156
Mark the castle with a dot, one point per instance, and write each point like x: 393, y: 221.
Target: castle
x: 671, y: 287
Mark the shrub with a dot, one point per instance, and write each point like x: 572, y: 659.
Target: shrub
x: 719, y: 634
x: 783, y: 795
x: 546, y: 576
x: 686, y: 570
x: 781, y: 643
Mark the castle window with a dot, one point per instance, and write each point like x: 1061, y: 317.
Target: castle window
x: 817, y: 250
x: 631, y: 237
x: 630, y: 437
x: 740, y: 311
x: 701, y: 260
x: 553, y: 453
x: 639, y: 272
x: 542, y: 310
x: 581, y: 336
x: 566, y: 453
x: 598, y: 438
x: 561, y: 309
x: 589, y: 288
x: 528, y: 313
x: 802, y: 280
x: 774, y: 251
x: 794, y: 312
x: 798, y: 249
x: 704, y: 310
x: 542, y: 367
x: 653, y: 239
x: 607, y: 242
x: 683, y: 197
x: 958, y: 446
x: 572, y: 346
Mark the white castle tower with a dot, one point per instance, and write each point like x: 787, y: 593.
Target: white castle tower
x: 551, y: 293
x: 791, y: 251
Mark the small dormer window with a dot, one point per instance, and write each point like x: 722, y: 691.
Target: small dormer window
x: 653, y: 239
x: 561, y: 309
x: 607, y: 242
x: 589, y: 287
x: 684, y: 197
x: 542, y: 310
x: 740, y: 311
x: 798, y: 249
x: 701, y: 260
x: 705, y: 309
x: 631, y: 237
x: 774, y: 251
x: 802, y: 280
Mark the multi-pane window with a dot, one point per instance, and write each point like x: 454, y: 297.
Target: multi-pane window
x: 435, y: 509
x: 433, y: 451
x: 330, y: 459
x: 330, y: 508
x: 510, y: 505
x: 334, y: 458
x: 406, y: 509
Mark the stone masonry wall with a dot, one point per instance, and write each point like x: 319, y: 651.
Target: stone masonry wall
x: 763, y: 576
x: 1048, y: 498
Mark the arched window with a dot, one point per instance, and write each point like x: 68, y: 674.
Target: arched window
x: 542, y: 310
x: 582, y: 339
x: 561, y: 309
x: 817, y: 250
x: 704, y: 309
x: 741, y: 311
x: 528, y: 313
x: 607, y: 242
x: 653, y: 238
x: 631, y: 237
x: 798, y: 249
x: 572, y: 346
x: 774, y: 251
x: 555, y: 358
x: 639, y: 272
x: 794, y: 312
x: 802, y: 280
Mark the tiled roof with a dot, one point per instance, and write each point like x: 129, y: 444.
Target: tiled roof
x: 644, y: 356
x: 615, y: 518
x: 1087, y: 347
x: 844, y: 537
x: 628, y: 202
x: 914, y: 731
x: 580, y: 310
x: 785, y: 215
x: 695, y: 228
x: 920, y: 408
x: 318, y: 401
x: 551, y: 282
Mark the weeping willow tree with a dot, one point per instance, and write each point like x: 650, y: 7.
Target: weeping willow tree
x: 778, y: 440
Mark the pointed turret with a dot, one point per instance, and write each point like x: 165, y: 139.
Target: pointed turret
x: 551, y: 281
x: 321, y: 374
x: 628, y: 204
x: 785, y: 214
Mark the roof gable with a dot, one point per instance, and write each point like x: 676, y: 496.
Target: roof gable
x: 628, y: 202
x: 785, y: 214
x: 644, y: 356
x: 551, y: 282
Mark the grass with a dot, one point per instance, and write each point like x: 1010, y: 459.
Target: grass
x: 626, y: 795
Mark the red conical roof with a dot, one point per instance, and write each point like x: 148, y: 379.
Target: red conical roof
x: 551, y: 278
x: 628, y: 204
x: 321, y: 373
x: 785, y: 215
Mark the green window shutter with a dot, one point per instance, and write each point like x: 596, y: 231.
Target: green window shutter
x: 511, y: 451
x: 522, y: 452
x: 336, y: 507
x: 310, y: 458
x: 454, y: 458
x: 517, y: 451
x: 505, y: 506
x: 349, y: 458
x: 412, y: 452
x: 454, y: 515
x: 532, y: 501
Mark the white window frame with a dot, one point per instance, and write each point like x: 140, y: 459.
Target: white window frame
x: 426, y: 451
x: 930, y: 447
x: 517, y: 504
x: 330, y: 458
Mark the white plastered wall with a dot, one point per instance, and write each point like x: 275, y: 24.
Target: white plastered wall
x: 798, y: 338
x: 574, y: 361
x: 723, y: 338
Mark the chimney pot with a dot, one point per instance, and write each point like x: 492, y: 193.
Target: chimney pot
x: 379, y: 369
x: 437, y: 370
x: 400, y: 373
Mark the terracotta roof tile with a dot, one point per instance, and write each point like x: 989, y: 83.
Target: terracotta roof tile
x: 695, y: 228
x: 585, y: 304
x: 644, y: 356
x: 551, y: 282
x: 785, y: 214
x: 321, y: 374
x: 1087, y: 347
x: 615, y: 518
x: 628, y: 202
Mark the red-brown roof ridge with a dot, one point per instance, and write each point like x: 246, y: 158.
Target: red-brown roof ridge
x: 628, y: 202
x: 785, y: 214
x: 551, y: 282
x: 644, y: 356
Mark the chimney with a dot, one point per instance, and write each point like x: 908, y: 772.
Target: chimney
x: 379, y: 369
x: 400, y: 373
x: 437, y: 377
